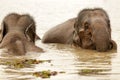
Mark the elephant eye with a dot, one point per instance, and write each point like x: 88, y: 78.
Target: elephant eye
x: 86, y: 25
x: 73, y: 32
x: 75, y: 25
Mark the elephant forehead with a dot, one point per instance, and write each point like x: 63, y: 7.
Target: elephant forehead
x: 15, y: 29
x: 98, y: 19
x: 26, y: 20
x: 23, y: 24
x: 92, y: 15
x: 11, y: 18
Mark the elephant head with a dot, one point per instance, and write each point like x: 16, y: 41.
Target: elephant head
x: 92, y: 30
x: 18, y: 34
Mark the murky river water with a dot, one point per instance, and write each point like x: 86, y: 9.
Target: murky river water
x: 77, y: 63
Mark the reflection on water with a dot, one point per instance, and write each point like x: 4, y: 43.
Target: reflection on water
x: 77, y: 63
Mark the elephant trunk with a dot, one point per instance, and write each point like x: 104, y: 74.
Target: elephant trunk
x: 101, y: 38
x: 20, y: 48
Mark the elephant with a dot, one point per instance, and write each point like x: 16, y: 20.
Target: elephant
x: 89, y: 30
x: 18, y: 34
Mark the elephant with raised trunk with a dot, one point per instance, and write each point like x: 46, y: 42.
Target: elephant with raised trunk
x: 18, y: 34
x: 90, y: 30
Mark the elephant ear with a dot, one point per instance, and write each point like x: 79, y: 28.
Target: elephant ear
x: 76, y: 25
x: 31, y: 34
x: 3, y: 31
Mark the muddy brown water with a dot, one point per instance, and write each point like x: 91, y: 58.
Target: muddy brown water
x: 77, y: 63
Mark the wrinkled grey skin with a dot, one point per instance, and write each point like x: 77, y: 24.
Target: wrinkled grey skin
x: 90, y: 30
x: 18, y: 34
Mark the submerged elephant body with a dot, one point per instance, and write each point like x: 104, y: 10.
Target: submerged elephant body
x: 18, y: 34
x: 62, y: 33
x: 90, y: 30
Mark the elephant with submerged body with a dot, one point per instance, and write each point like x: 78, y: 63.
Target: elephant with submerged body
x: 90, y: 30
x: 18, y: 34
